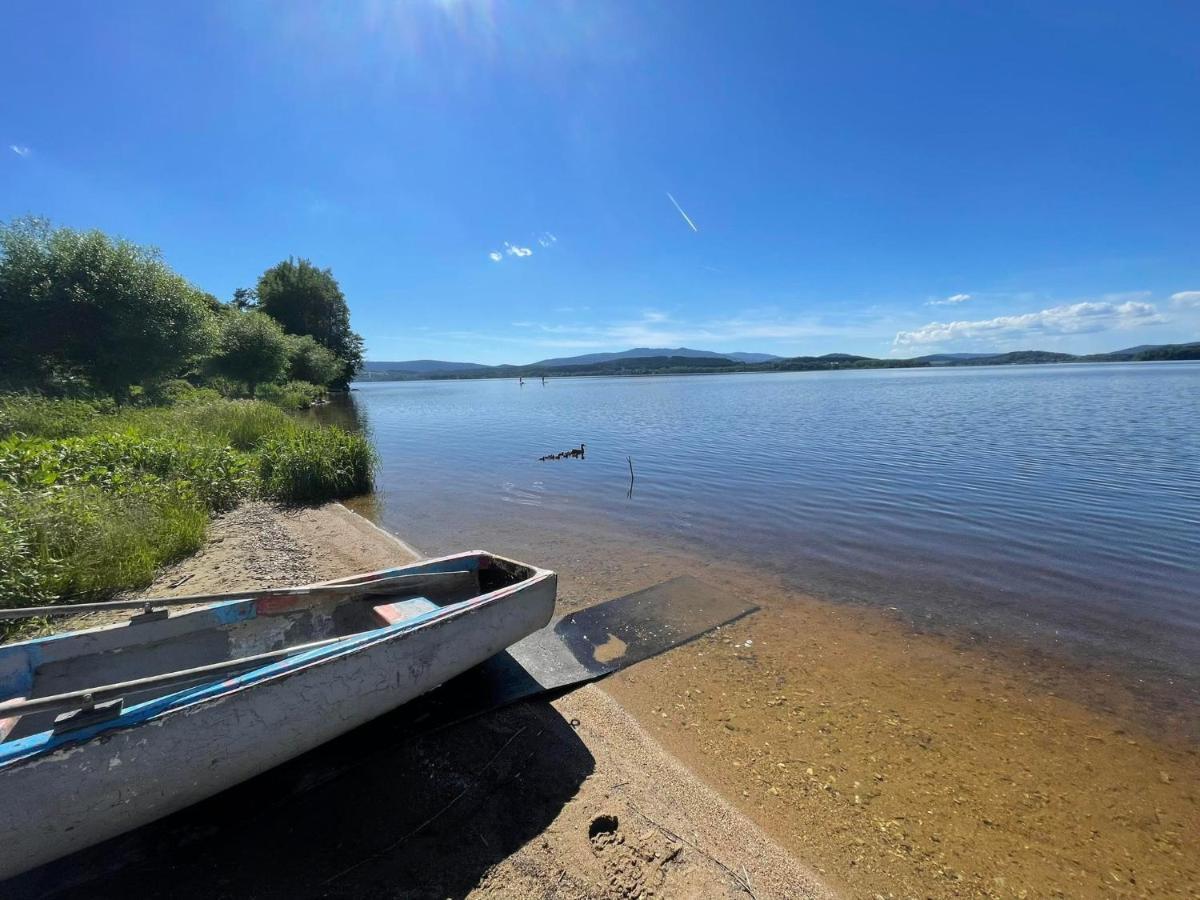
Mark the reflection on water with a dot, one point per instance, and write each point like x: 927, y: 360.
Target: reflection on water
x: 1060, y: 503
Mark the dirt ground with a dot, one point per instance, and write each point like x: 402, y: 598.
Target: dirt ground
x: 563, y: 799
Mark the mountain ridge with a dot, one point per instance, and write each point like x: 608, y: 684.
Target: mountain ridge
x: 682, y: 360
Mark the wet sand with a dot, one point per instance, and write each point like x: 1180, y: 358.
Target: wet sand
x: 899, y: 763
x: 564, y: 799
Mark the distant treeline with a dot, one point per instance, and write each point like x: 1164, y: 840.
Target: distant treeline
x: 687, y: 365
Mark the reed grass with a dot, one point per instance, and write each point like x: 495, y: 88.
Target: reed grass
x: 292, y: 395
x: 310, y: 465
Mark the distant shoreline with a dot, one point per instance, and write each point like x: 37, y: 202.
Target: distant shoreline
x: 749, y: 370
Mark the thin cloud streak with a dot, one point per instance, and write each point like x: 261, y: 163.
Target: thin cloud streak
x: 952, y: 300
x: 656, y: 329
x: 682, y: 213
x: 21, y: 150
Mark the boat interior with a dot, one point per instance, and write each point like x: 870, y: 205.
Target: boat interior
x: 81, y: 677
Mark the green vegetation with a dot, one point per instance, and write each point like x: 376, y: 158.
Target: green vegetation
x: 144, y: 438
x: 86, y: 315
x: 310, y: 465
x: 120, y: 473
x: 292, y: 394
x: 94, y: 497
x: 307, y: 300
x: 81, y: 310
x: 252, y: 349
x: 311, y: 362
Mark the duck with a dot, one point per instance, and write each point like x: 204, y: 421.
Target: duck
x: 573, y: 453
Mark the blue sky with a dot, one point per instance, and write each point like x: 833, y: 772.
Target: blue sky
x: 502, y: 181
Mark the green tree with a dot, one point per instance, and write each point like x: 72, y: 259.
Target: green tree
x: 309, y: 361
x: 244, y: 298
x: 308, y: 300
x: 252, y: 348
x: 81, y: 306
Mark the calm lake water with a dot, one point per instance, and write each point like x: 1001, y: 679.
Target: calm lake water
x: 1053, y: 503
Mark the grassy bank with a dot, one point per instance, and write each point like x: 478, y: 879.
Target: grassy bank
x: 95, y: 498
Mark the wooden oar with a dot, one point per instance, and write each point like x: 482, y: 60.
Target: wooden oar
x: 389, y: 585
x: 92, y: 696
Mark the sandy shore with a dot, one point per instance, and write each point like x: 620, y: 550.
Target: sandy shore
x: 893, y: 763
x: 566, y: 799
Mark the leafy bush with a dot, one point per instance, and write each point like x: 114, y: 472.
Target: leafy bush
x: 82, y: 305
x: 177, y: 391
x: 309, y: 361
x: 291, y: 395
x: 252, y: 348
x: 315, y: 464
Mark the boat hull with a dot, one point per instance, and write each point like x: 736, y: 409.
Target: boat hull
x: 82, y: 793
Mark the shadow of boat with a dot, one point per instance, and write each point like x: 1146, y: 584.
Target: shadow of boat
x: 380, y: 811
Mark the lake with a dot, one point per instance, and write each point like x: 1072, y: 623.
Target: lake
x: 1059, y: 505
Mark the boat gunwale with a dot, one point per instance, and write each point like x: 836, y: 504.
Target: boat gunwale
x: 178, y: 702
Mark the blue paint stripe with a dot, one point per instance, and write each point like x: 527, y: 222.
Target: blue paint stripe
x: 47, y: 741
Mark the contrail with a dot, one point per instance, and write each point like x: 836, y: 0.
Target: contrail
x: 682, y: 213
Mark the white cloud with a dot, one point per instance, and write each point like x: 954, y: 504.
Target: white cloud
x: 546, y: 239
x: 519, y: 252
x: 952, y: 300
x: 1076, y: 318
x: 21, y: 150
x: 495, y: 256
x: 1186, y: 300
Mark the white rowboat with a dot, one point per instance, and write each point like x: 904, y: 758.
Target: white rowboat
x: 104, y: 730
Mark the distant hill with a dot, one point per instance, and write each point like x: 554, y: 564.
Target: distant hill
x: 1149, y: 352
x: 1017, y: 357
x: 638, y: 365
x: 942, y: 358
x: 420, y: 366
x: 652, y: 353
x: 646, y: 361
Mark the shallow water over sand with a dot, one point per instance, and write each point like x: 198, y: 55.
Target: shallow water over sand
x: 1059, y: 505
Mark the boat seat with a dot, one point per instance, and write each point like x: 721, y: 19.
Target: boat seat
x: 403, y: 610
x: 8, y: 724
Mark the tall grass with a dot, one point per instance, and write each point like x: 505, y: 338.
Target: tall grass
x: 292, y: 394
x: 95, y: 499
x: 27, y: 414
x: 242, y: 424
x: 313, y: 464
x: 88, y: 542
